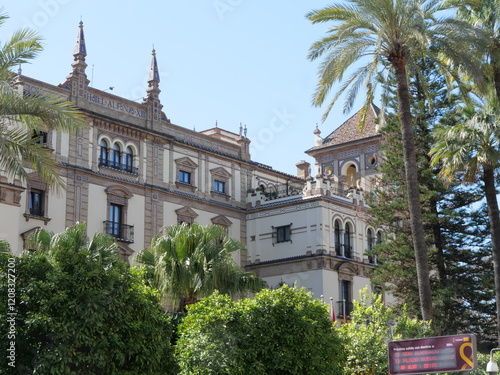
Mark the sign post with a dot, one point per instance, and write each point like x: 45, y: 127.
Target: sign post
x: 433, y: 354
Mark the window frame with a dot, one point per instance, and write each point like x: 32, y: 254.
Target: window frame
x: 118, y: 196
x: 282, y: 233
x: 219, y: 186
x: 345, y: 303
x: 347, y: 248
x: 39, y: 211
x: 36, y: 186
x: 185, y: 165
x: 337, y: 237
x: 116, y: 156
x: 128, y: 159
x: 115, y: 214
x: 104, y: 152
x: 219, y: 176
x: 184, y: 177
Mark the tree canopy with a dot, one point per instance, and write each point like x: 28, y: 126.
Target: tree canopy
x: 25, y: 117
x: 187, y: 262
x: 81, y: 310
x: 283, y: 331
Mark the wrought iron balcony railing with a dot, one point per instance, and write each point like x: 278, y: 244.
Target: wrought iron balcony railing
x: 122, y: 232
x: 118, y: 166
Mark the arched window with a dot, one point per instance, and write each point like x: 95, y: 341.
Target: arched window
x: 347, y: 241
x: 351, y: 178
x: 370, y: 241
x: 103, y: 156
x: 336, y: 238
x: 129, y: 159
x: 116, y: 156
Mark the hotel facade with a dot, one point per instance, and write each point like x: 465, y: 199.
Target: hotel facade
x: 132, y: 171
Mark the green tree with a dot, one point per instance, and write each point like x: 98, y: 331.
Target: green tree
x: 283, y: 331
x: 391, y: 33
x: 23, y: 117
x: 454, y: 226
x: 188, y: 262
x: 81, y: 310
x: 371, y: 328
x: 470, y: 151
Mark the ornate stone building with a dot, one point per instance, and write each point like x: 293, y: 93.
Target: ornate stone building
x: 133, y: 171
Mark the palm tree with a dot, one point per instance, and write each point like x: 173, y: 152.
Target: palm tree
x: 188, y: 262
x: 472, y: 148
x: 390, y: 34
x: 101, y: 248
x: 485, y: 16
x: 24, y: 116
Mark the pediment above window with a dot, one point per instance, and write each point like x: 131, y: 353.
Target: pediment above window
x: 186, y: 212
x: 221, y: 220
x: 186, y: 163
x: 119, y: 191
x: 221, y: 173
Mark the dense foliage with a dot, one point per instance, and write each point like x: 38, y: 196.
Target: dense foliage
x: 283, y: 331
x: 371, y: 327
x: 81, y: 310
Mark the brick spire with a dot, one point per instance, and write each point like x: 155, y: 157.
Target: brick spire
x: 153, y: 90
x: 77, y: 79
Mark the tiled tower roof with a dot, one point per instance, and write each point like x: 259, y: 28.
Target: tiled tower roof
x: 349, y: 130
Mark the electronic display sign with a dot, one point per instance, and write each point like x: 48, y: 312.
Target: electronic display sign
x: 433, y: 354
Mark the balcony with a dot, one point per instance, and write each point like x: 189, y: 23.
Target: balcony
x: 122, y: 232
x: 107, y: 163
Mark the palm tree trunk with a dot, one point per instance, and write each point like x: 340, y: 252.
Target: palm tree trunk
x: 494, y: 218
x: 409, y: 155
x: 496, y: 75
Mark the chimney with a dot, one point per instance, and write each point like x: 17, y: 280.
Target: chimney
x: 303, y: 169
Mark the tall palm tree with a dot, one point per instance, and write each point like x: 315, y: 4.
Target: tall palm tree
x: 472, y: 148
x: 188, y: 262
x: 390, y: 34
x: 22, y: 115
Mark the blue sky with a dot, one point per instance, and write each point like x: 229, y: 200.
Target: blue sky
x: 228, y: 61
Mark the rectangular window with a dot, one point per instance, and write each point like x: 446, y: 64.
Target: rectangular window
x: 37, y: 202
x: 346, y: 302
x: 283, y: 233
x: 185, y: 177
x: 115, y: 219
x: 39, y: 137
x: 219, y: 187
